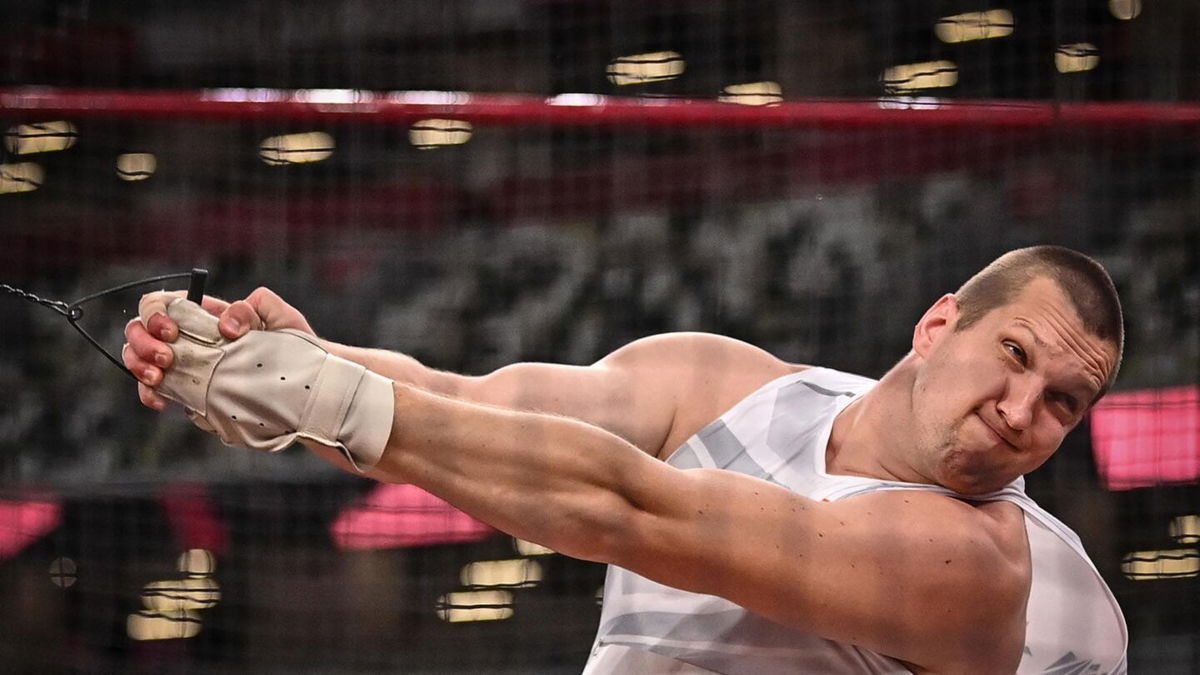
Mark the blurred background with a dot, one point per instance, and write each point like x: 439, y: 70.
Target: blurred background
x: 478, y: 183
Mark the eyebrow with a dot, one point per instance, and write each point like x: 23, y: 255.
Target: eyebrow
x: 1037, y: 340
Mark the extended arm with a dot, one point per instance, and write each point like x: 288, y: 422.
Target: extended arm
x: 917, y: 576
x: 654, y: 393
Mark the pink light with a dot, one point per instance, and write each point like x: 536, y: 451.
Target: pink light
x: 399, y: 516
x: 23, y: 523
x: 193, y: 518
x: 1148, y: 437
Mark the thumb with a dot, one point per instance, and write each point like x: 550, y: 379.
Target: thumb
x: 261, y: 310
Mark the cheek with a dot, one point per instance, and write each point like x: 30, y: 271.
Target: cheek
x: 1047, y: 437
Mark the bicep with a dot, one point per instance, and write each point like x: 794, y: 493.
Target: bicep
x: 654, y: 392
x: 904, y: 574
x: 620, y: 400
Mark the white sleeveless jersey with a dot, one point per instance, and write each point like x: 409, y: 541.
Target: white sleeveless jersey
x: 779, y: 434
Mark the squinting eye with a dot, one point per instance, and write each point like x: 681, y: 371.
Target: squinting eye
x: 1067, y: 402
x: 1015, y: 350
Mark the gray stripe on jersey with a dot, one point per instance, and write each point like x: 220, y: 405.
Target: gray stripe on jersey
x: 821, y: 390
x: 732, y: 626
x: 728, y: 452
x: 685, y: 458
x: 792, y: 420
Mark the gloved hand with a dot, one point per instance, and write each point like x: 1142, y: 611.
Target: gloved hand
x: 269, y: 388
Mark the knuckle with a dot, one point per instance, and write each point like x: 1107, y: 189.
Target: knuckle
x: 150, y: 375
x: 245, y: 313
x: 142, y: 350
x: 132, y: 327
x: 160, y: 324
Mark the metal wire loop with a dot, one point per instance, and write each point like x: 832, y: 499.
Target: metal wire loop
x: 73, y: 311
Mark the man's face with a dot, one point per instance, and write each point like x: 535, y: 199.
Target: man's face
x: 994, y: 401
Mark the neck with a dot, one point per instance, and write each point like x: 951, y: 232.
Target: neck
x: 872, y: 436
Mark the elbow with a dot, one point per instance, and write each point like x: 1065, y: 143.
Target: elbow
x: 606, y: 500
x: 606, y: 521
x: 639, y: 526
x: 600, y: 529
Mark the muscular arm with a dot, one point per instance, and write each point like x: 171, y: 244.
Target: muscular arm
x: 916, y: 576
x: 654, y: 393
x: 547, y: 453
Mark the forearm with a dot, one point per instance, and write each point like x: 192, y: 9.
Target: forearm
x: 600, y: 395
x: 557, y: 481
x: 399, y: 367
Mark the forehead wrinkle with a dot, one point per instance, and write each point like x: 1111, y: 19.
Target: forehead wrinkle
x: 1093, y: 362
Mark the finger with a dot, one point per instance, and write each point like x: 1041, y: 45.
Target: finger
x: 214, y: 306
x: 145, y: 373
x: 152, y: 310
x: 156, y: 303
x: 239, y: 319
x: 144, y: 349
x: 275, y: 311
x: 163, y: 327
x: 150, y: 398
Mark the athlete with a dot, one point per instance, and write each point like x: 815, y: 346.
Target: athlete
x: 759, y: 516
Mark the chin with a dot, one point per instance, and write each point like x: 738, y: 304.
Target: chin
x: 968, y: 483
x: 974, y: 488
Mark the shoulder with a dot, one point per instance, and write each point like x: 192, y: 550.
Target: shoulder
x: 973, y: 558
x: 702, y: 374
x: 705, y: 354
x: 990, y: 535
x: 915, y: 575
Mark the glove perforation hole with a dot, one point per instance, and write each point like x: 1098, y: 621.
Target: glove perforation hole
x: 234, y: 417
x: 282, y: 377
x: 307, y: 387
x: 259, y: 366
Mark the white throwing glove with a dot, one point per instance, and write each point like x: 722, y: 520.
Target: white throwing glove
x: 268, y: 388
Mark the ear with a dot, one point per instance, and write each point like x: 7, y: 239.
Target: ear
x: 938, y: 321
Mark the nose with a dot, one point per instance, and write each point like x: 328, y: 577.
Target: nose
x: 1017, y: 405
